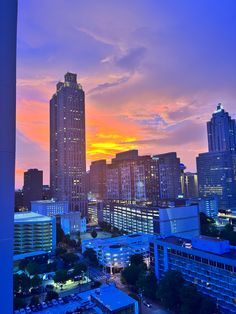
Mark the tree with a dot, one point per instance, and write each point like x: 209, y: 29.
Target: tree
x: 16, y: 282
x: 228, y: 234
x: 130, y: 274
x: 94, y: 233
x: 208, y: 306
x: 33, y: 268
x: 190, y: 299
x: 34, y: 300
x: 169, y: 290
x: 148, y: 284
x: 70, y: 258
x: 79, y: 268
x: 24, y: 283
x: 19, y: 303
x: 61, y: 276
x: 51, y: 295
x: 23, y: 263
x: 136, y: 259
x: 207, y: 225
x: 36, y: 281
x: 60, y: 251
x: 91, y: 255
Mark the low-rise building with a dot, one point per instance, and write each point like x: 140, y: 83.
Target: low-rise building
x: 209, y: 263
x: 50, y: 207
x: 34, y: 234
x: 145, y: 218
x: 115, y: 253
x: 72, y: 222
x: 110, y: 300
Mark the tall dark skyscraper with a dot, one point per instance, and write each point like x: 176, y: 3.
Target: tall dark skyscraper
x: 97, y: 175
x: 221, y: 131
x: 217, y: 168
x: 67, y: 144
x: 33, y: 186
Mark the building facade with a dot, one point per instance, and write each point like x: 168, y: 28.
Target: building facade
x: 145, y: 218
x: 33, y: 186
x: 115, y: 253
x: 97, y: 179
x: 216, y: 176
x: 33, y: 234
x: 67, y: 144
x: 72, y: 222
x: 169, y: 175
x: 221, y: 131
x: 209, y: 206
x: 208, y: 263
x: 50, y: 207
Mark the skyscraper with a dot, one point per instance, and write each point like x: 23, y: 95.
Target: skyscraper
x: 97, y: 176
x: 33, y: 186
x: 67, y: 144
x: 221, y: 131
x: 169, y: 175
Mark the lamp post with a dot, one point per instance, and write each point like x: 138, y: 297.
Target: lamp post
x: 8, y: 25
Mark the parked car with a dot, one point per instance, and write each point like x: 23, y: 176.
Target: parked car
x: 54, y: 302
x: 22, y: 311
x: 147, y: 304
x: 60, y: 301
x: 28, y: 310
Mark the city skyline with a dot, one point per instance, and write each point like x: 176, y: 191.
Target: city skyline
x: 148, y: 60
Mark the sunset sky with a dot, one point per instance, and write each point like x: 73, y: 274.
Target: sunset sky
x: 153, y: 72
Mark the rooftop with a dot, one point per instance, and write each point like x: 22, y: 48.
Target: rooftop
x: 109, y: 296
x: 28, y: 217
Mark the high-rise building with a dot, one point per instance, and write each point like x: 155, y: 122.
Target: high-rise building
x: 221, y: 131
x: 132, y: 177
x: 97, y: 179
x: 216, y: 176
x: 67, y: 144
x: 169, y: 175
x: 33, y: 186
x: 189, y: 184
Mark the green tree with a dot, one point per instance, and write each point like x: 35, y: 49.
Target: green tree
x: 33, y: 268
x: 136, y: 259
x: 34, y: 300
x: 16, y: 282
x: 207, y: 226
x: 51, y: 295
x: 208, y: 306
x: 228, y: 234
x: 60, y: 235
x: 148, y: 284
x: 93, y: 233
x: 170, y: 288
x: 23, y: 263
x: 24, y: 283
x: 19, y: 303
x: 190, y: 299
x: 91, y: 255
x: 36, y: 281
x: 70, y: 258
x: 79, y: 268
x: 61, y: 276
x: 131, y: 274
x: 60, y: 251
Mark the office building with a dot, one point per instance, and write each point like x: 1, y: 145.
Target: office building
x: 132, y: 178
x: 115, y: 253
x: 33, y: 186
x: 216, y: 176
x: 19, y: 200
x: 34, y: 234
x: 221, y: 131
x: 50, y: 207
x: 67, y: 144
x: 46, y: 192
x: 72, y: 222
x: 145, y: 218
x: 109, y: 300
x: 209, y: 206
x: 97, y: 179
x: 189, y: 184
x: 208, y: 263
x: 169, y: 175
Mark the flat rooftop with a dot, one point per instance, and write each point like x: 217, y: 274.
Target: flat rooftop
x: 109, y: 296
x: 30, y: 217
x: 181, y: 241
